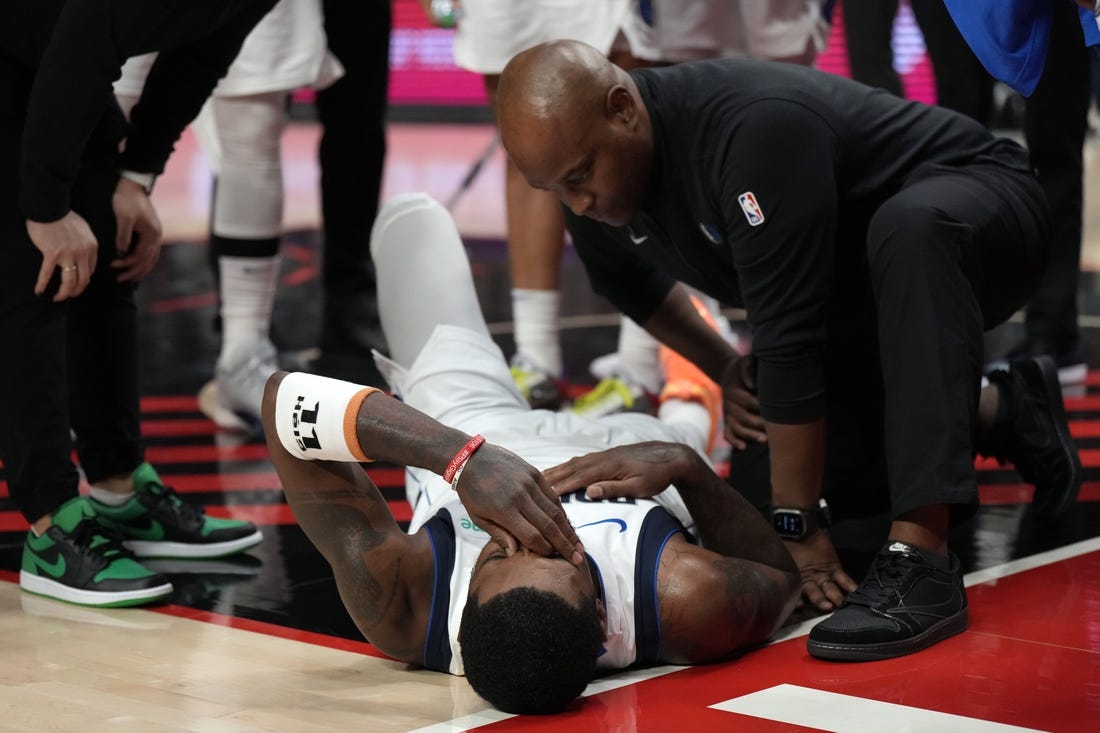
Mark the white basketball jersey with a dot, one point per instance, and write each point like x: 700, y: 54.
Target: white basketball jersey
x: 624, y: 538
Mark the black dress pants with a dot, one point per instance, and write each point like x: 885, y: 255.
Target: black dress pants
x: 64, y: 365
x: 1055, y: 123
x: 962, y: 84
x: 952, y: 254
x: 352, y: 153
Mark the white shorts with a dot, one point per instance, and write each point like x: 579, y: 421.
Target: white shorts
x: 287, y: 50
x: 686, y: 30
x: 491, y: 32
x: 461, y: 379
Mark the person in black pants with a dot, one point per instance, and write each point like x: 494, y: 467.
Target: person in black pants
x: 961, y: 82
x: 1055, y: 124
x: 352, y: 153
x: 74, y: 240
x: 871, y: 241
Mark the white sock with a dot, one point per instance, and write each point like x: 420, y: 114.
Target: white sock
x: 690, y: 418
x: 638, y: 356
x: 247, y: 295
x: 110, y: 498
x: 537, y: 316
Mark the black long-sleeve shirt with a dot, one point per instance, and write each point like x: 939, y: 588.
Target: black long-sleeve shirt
x: 59, y: 58
x: 756, y: 168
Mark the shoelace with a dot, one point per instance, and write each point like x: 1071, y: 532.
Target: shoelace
x: 109, y: 547
x: 166, y: 498
x: 890, y: 570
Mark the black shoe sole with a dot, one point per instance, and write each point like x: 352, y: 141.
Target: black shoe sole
x: 1043, y: 369
x: 888, y: 650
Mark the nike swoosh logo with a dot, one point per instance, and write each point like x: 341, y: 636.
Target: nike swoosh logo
x: 150, y: 530
x: 621, y: 523
x: 55, y: 568
x: 634, y: 238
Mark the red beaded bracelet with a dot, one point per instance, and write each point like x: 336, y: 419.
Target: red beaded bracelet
x: 454, y: 468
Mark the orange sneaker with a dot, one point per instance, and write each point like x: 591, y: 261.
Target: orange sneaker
x: 687, y: 382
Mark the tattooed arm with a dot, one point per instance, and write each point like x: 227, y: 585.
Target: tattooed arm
x: 733, y: 591
x: 383, y: 574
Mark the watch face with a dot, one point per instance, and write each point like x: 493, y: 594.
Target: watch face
x: 788, y: 524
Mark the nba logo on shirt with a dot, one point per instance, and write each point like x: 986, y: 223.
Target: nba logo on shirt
x: 751, y: 209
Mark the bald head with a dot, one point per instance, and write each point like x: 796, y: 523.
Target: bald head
x: 555, y: 79
x: 562, y: 106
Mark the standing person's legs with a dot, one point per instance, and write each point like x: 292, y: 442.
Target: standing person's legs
x: 1055, y: 125
x: 351, y: 155
x: 34, y: 424
x: 103, y: 349
x: 962, y: 83
x: 868, y: 28
x: 949, y: 255
x: 535, y: 231
x: 65, y: 555
x: 242, y: 136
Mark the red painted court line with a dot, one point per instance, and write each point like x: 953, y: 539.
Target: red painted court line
x: 1090, y: 458
x: 184, y: 302
x: 262, y: 515
x: 282, y: 632
x: 176, y: 403
x: 177, y: 428
x: 206, y: 453
x: 189, y: 483
x: 259, y: 627
x: 1084, y: 428
x: 1088, y: 402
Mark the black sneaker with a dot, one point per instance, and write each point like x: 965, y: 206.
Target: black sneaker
x: 1033, y: 433
x: 1068, y: 359
x: 905, y: 604
x: 155, y: 522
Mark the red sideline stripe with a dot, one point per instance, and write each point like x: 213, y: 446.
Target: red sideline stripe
x: 1089, y: 459
x: 259, y: 627
x: 177, y: 428
x: 206, y: 453
x: 1084, y: 428
x: 191, y: 483
x: 1088, y: 402
x: 264, y: 515
x: 178, y: 403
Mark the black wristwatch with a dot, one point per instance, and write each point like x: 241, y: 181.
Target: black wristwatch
x: 797, y: 524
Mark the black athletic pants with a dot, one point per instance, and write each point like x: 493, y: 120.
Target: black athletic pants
x: 352, y: 153
x: 1056, y: 120
x: 962, y: 84
x: 952, y: 254
x: 64, y: 365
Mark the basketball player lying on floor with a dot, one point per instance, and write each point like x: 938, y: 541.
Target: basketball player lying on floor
x: 529, y: 630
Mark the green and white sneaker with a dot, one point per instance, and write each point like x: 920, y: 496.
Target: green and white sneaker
x: 157, y: 523
x: 76, y: 560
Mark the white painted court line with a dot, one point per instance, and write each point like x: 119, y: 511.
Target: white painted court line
x: 632, y: 676
x: 831, y: 711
